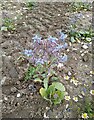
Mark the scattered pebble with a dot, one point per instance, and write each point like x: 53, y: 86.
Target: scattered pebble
x: 18, y: 95
x: 82, y: 54
x: 13, y: 89
x: 85, y: 47
x: 5, y: 98
x: 69, y: 73
x: 3, y: 81
x: 32, y: 88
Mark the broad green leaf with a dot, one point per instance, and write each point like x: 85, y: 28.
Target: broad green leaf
x: 3, y: 28
x: 57, y: 102
x: 43, y: 93
x: 38, y: 80
x: 54, y: 78
x: 50, y: 89
x: 59, y: 86
x: 35, y: 76
x: 46, y: 83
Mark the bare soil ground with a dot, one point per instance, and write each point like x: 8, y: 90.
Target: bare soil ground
x: 44, y: 19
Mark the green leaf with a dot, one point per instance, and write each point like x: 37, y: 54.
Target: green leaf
x: 50, y: 90
x: 59, y: 86
x: 54, y: 78
x: 72, y: 40
x: 43, y: 93
x: 3, y: 28
x: 46, y: 83
x: 38, y: 80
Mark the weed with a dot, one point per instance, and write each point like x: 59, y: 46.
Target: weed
x: 78, y: 6
x: 7, y: 25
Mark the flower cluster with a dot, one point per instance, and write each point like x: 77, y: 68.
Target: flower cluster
x: 44, y: 50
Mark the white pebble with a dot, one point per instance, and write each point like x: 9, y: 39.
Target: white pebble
x: 5, y: 98
x: 69, y: 73
x: 85, y: 47
x: 18, y: 95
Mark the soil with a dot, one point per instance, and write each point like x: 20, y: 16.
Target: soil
x: 19, y: 99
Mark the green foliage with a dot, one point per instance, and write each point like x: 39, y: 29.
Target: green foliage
x: 36, y: 72
x: 40, y: 72
x: 7, y: 25
x: 86, y: 107
x: 78, y: 6
x: 89, y: 108
x: 30, y: 5
x: 80, y: 35
x: 53, y: 93
x: 30, y: 73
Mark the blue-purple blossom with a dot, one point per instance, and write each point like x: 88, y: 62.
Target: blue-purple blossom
x: 27, y: 52
x: 45, y: 50
x: 62, y: 36
x: 84, y: 90
x: 37, y: 38
x: 39, y: 61
x: 60, y: 47
x: 55, y: 96
x: 65, y: 45
x: 64, y: 58
x: 52, y: 39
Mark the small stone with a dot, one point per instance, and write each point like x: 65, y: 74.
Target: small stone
x: 85, y: 47
x: 32, y: 88
x: 69, y: 73
x: 82, y: 54
x: 18, y: 82
x: 58, y: 14
x: 5, y: 98
x: 3, y: 81
x: 85, y: 58
x: 13, y: 89
x: 18, y: 95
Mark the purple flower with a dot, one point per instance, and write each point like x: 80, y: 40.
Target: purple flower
x: 84, y: 90
x: 64, y: 58
x: 79, y: 15
x: 52, y: 39
x: 39, y: 61
x: 60, y: 47
x: 37, y: 38
x: 63, y: 36
x: 65, y: 45
x: 28, y: 52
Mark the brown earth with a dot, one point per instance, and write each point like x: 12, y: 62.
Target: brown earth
x: 44, y: 19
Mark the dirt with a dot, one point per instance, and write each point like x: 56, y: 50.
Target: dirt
x: 19, y: 101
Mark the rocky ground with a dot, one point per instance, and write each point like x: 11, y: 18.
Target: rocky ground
x: 20, y: 100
